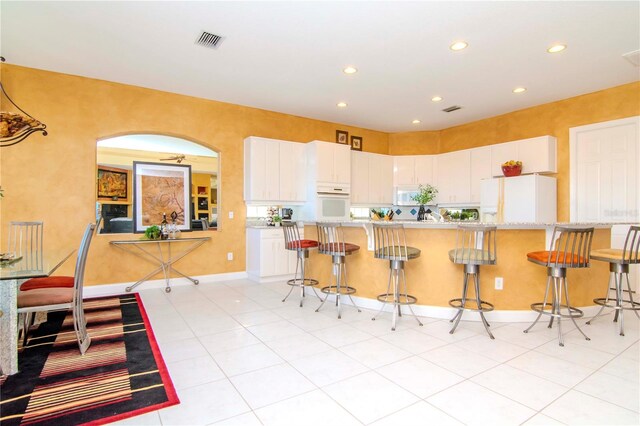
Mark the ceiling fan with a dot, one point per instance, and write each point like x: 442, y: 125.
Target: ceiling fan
x: 177, y: 158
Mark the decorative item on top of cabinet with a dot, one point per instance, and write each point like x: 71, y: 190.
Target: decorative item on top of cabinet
x: 342, y: 137
x: 512, y: 168
x: 356, y: 143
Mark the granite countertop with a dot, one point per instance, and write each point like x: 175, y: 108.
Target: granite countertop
x: 452, y: 225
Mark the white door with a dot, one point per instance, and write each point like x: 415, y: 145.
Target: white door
x: 342, y: 163
x: 404, y: 170
x: 480, y: 169
x: 324, y: 162
x: 424, y: 169
x: 604, y: 175
x: 359, y: 178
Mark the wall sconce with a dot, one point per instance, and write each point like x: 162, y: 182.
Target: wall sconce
x: 16, y: 127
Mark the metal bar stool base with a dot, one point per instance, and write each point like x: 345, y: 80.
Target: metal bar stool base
x: 572, y: 312
x: 389, y: 298
x: 307, y: 282
x: 458, y: 304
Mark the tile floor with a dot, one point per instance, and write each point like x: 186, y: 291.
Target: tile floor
x: 239, y: 356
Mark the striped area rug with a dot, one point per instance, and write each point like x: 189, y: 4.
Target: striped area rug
x: 121, y: 375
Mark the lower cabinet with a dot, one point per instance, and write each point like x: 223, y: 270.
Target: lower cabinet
x: 267, y: 258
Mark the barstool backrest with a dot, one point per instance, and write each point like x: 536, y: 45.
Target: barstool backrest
x: 291, y: 236
x: 631, y: 250
x: 389, y: 241
x: 331, y: 239
x: 570, y: 247
x: 475, y: 244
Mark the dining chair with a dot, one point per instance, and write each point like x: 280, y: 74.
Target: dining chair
x: 25, y: 239
x: 61, y: 298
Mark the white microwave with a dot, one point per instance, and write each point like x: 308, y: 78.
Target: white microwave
x: 403, y: 195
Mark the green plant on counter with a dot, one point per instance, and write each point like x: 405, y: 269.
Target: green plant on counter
x: 152, y: 232
x: 277, y: 219
x: 426, y: 194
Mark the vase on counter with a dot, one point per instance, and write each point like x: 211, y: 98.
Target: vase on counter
x: 421, y: 212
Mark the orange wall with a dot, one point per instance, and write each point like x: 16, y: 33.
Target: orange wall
x: 53, y: 178
x: 553, y: 119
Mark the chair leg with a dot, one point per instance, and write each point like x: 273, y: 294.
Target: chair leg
x: 404, y: 280
x: 346, y: 284
x: 458, y: 316
x: 619, y: 297
x: 606, y: 300
x: 476, y: 280
x: 631, y: 297
x: 79, y: 325
x: 544, y: 305
x: 388, y: 289
x: 557, y: 297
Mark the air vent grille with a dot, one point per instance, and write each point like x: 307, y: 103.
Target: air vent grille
x: 209, y: 40
x: 452, y: 108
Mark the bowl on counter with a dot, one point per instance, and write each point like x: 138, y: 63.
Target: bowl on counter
x: 510, y: 171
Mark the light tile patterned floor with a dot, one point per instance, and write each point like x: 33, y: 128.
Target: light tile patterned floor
x: 239, y: 356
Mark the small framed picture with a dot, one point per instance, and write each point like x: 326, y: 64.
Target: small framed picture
x: 356, y: 143
x: 342, y: 137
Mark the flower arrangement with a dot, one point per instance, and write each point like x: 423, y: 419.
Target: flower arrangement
x: 152, y: 232
x: 426, y: 194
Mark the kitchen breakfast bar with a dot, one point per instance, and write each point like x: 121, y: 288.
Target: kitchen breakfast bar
x: 433, y: 279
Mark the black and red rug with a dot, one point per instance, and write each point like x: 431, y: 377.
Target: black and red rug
x: 121, y: 375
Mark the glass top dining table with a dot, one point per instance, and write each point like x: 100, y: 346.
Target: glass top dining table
x: 30, y: 265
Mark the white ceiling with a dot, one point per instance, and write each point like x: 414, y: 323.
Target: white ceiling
x: 288, y: 56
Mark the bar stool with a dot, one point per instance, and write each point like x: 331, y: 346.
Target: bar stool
x: 390, y: 243
x: 569, y: 248
x: 619, y: 261
x: 293, y: 242
x: 331, y: 242
x: 475, y: 246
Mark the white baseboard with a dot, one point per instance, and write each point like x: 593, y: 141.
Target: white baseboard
x: 273, y: 279
x: 120, y: 288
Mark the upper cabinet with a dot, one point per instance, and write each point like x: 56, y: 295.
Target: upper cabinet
x: 329, y: 163
x: 413, y: 170
x: 538, y: 155
x: 453, y: 177
x: 272, y: 170
x: 480, y: 169
x: 371, y: 179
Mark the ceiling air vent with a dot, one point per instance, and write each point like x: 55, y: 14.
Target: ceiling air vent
x: 633, y: 57
x: 452, y: 108
x: 209, y: 40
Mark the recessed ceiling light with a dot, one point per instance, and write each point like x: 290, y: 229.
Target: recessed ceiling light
x: 350, y: 70
x: 342, y: 104
x: 519, y: 90
x: 458, y: 45
x: 557, y: 48
x: 416, y: 121
x: 436, y: 99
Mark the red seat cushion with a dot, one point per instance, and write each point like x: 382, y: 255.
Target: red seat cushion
x: 44, y: 296
x: 47, y: 282
x: 339, y: 247
x: 543, y: 257
x: 302, y: 244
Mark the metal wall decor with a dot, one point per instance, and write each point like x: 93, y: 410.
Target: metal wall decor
x: 16, y: 127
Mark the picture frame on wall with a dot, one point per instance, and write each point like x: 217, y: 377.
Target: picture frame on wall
x: 342, y: 137
x: 356, y: 143
x: 113, y: 184
x: 161, y: 188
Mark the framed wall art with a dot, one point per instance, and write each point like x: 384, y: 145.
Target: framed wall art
x: 161, y: 188
x: 113, y: 184
x: 342, y: 137
x: 356, y: 143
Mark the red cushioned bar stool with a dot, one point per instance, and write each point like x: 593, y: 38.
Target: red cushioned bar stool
x: 331, y: 242
x: 292, y: 241
x: 570, y: 248
x: 619, y: 261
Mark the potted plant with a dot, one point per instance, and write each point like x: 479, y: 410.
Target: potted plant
x: 426, y: 194
x: 277, y: 220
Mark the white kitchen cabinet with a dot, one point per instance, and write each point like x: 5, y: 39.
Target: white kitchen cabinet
x: 413, y: 170
x: 329, y: 163
x: 267, y: 258
x: 480, y: 169
x: 292, y: 171
x: 272, y: 170
x: 453, y: 177
x: 538, y: 155
x: 371, y: 179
